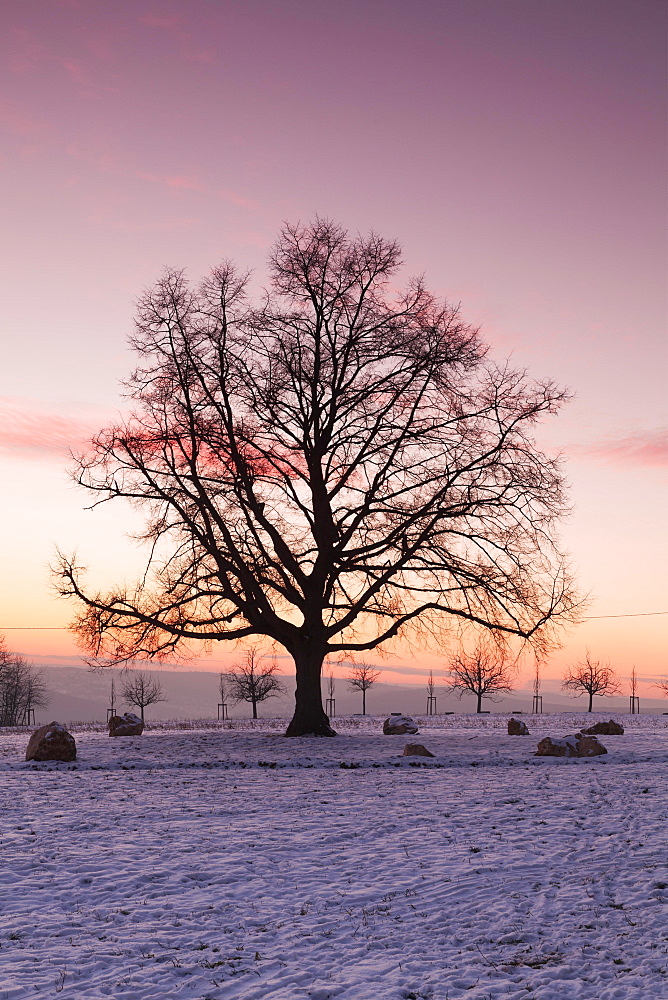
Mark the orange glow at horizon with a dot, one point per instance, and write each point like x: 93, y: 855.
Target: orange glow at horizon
x: 624, y: 643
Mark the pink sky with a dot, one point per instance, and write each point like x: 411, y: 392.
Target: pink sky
x: 516, y: 150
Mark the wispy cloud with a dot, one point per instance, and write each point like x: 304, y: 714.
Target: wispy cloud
x: 95, y: 155
x: 643, y: 447
x: 28, y: 430
x: 28, y: 55
x: 25, y: 51
x: 20, y: 123
x: 76, y: 72
x: 175, y: 181
x: 170, y: 22
x: 183, y: 182
x: 175, y: 25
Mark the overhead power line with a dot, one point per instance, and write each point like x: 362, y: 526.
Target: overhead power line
x: 64, y: 628
x: 638, y: 614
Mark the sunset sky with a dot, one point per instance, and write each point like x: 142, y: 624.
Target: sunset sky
x: 515, y: 148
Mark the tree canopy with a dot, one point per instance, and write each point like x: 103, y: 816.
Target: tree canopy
x: 253, y: 679
x: 591, y: 677
x: 141, y: 690
x: 484, y: 672
x: 362, y: 676
x: 22, y: 688
x: 329, y: 468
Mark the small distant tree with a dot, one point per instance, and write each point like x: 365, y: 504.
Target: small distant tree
x: 663, y: 686
x: 142, y: 690
x: 431, y: 692
x: 362, y: 677
x: 330, y: 688
x: 22, y: 688
x: 223, y: 683
x: 253, y: 679
x: 222, y: 688
x: 634, y: 702
x: 484, y: 672
x: 537, y: 700
x: 591, y: 677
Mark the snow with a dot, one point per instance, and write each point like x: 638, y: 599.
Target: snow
x: 230, y: 862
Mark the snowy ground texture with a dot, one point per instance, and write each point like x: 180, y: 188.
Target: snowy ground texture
x: 233, y: 863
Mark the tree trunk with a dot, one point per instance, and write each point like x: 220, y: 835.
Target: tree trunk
x: 591, y: 700
x: 363, y: 702
x: 479, y: 708
x: 254, y: 708
x: 142, y: 712
x: 309, y: 718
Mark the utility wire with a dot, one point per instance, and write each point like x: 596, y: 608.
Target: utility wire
x: 639, y: 614
x: 63, y: 628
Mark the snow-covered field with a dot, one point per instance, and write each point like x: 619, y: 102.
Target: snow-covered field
x: 233, y: 863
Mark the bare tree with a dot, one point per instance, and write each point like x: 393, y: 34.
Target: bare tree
x: 142, y: 690
x: 634, y: 701
x: 431, y: 694
x: 329, y: 469
x: 591, y: 677
x: 223, y: 684
x: 362, y: 677
x: 22, y: 688
x: 253, y: 679
x: 483, y: 672
x: 112, y: 696
x: 662, y: 686
x: 537, y: 698
x: 330, y: 701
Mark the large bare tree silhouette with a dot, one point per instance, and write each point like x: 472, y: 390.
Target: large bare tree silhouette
x: 329, y: 469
